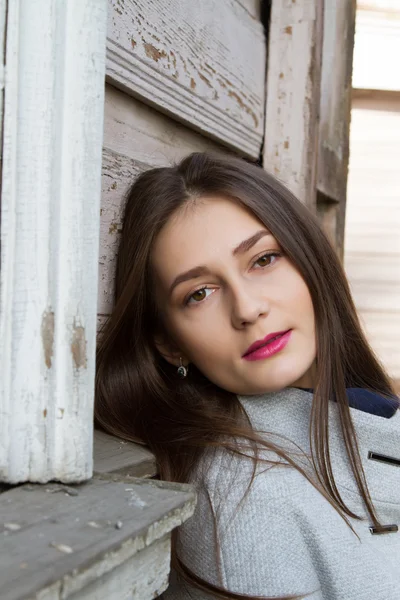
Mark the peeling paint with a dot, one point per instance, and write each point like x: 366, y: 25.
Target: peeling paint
x: 45, y: 413
x: 244, y: 106
x: 133, y: 43
x: 153, y: 53
x: 173, y: 58
x: 78, y: 346
x: 286, y: 145
x: 113, y: 228
x: 48, y: 336
x: 207, y: 81
x: 192, y: 83
x: 210, y: 68
x: 288, y: 30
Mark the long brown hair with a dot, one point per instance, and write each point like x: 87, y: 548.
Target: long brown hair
x: 139, y: 397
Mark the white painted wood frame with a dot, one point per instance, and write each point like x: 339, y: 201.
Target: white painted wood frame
x: 203, y: 63
x: 293, y: 94
x: 50, y: 204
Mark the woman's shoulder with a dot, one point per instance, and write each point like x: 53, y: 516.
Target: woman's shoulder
x: 226, y: 476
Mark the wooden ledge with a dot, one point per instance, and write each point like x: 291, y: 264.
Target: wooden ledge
x: 108, y: 538
x: 113, y: 455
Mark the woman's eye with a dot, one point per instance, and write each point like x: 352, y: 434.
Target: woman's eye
x: 199, y: 295
x: 266, y: 259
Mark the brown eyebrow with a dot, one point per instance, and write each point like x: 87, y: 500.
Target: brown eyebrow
x: 191, y: 274
x: 203, y: 270
x: 249, y: 243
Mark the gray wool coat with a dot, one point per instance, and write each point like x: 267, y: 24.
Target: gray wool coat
x: 285, y: 537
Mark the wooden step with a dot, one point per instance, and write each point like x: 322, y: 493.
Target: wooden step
x: 105, y: 539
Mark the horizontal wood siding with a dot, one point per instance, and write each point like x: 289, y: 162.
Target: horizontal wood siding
x: 201, y: 62
x: 377, y: 51
x: 372, y: 243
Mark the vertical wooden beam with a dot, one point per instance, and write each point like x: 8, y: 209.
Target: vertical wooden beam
x: 53, y: 127
x: 334, y: 128
x: 293, y: 93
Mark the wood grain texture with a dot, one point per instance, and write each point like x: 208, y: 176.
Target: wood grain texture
x: 293, y: 95
x: 136, y: 138
x: 201, y: 63
x: 335, y: 107
x: 53, y: 124
x: 144, y: 576
x: 3, y: 20
x: 61, y: 542
x: 113, y: 455
x: 372, y: 242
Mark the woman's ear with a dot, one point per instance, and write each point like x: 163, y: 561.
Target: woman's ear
x: 169, y: 352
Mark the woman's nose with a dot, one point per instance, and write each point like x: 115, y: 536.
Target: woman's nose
x: 248, y: 305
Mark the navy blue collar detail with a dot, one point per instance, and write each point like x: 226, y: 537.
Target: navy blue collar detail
x: 369, y: 402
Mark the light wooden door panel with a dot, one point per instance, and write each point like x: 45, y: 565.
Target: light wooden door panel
x: 372, y: 256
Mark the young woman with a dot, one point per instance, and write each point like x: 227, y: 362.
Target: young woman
x: 235, y: 354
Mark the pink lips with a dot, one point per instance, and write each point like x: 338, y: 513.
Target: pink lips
x: 271, y: 344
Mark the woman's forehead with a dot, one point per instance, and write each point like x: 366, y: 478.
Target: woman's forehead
x: 210, y: 232
x: 207, y: 220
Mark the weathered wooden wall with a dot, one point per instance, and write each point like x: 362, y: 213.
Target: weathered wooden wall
x: 136, y: 138
x: 203, y: 63
x: 292, y: 95
x: 334, y: 117
x: 377, y: 51
x: 372, y: 243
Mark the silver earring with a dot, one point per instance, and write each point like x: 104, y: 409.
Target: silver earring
x: 182, y: 370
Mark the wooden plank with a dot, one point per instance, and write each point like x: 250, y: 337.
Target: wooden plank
x: 201, y: 63
x: 377, y: 46
x: 293, y: 94
x: 142, y: 577
x: 53, y: 126
x: 136, y: 138
x: 113, y: 455
x: 253, y: 7
x: 335, y: 107
x: 60, y: 542
x: 3, y: 21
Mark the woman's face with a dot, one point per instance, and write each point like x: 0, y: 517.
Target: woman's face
x: 222, y: 286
